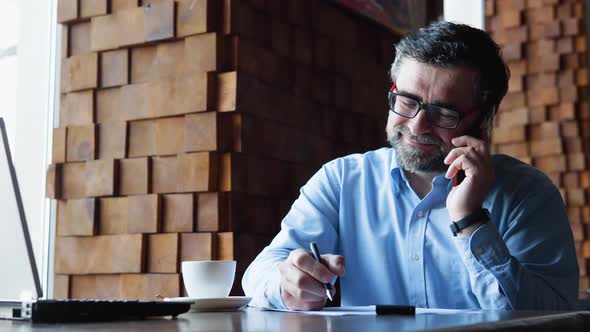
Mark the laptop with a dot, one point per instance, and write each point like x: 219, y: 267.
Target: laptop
x: 63, y: 310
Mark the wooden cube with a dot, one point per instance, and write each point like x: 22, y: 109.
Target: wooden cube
x: 113, y: 216
x: 196, y: 16
x: 551, y: 164
x: 112, y: 139
x: 150, y: 286
x: 576, y: 197
x: 209, y: 131
x: 163, y: 253
x: 203, y: 53
x: 169, y: 135
x: 576, y: 162
x: 144, y: 213
x: 79, y: 38
x: 547, y: 130
x: 169, y: 61
x: 186, y: 94
x: 281, y: 39
x: 197, y: 172
x: 142, y: 138
x: 197, y: 246
x: 179, y: 213
x: 81, y: 143
x: 226, y: 91
x: 79, y: 72
x: 540, y: 15
x: 76, y: 109
x: 96, y: 286
x: 65, y: 41
x: 143, y: 63
x: 212, y: 212
x: 53, y: 181
x: 114, y: 68
x: 516, y: 150
x: 99, y: 254
x: 100, y: 178
x: 159, y: 20
x: 108, y: 105
x: 61, y: 286
x: 225, y: 246
x: 73, y: 180
x: 545, y: 96
x: 136, y: 102
x: 233, y: 172
x: 58, y: 146
x: 134, y: 176
x: 514, y: 117
x: 80, y: 218
x: 546, y: 147
x: 67, y: 10
x: 118, y: 5
x: 105, y: 34
x: 503, y: 135
x: 164, y: 174
x: 90, y: 8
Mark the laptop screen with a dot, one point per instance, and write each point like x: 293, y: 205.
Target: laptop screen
x: 16, y: 277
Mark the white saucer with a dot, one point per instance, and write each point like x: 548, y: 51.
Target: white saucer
x: 230, y: 303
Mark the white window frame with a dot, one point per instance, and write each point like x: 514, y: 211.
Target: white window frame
x: 36, y: 111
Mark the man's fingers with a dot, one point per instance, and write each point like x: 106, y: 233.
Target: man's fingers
x: 293, y: 302
x: 335, y: 263
x: 300, y: 280
x: 304, y: 294
x: 306, y: 263
x: 477, y: 144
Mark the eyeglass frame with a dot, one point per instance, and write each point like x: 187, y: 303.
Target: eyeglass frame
x: 421, y: 106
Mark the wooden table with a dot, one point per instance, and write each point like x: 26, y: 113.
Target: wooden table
x: 255, y: 320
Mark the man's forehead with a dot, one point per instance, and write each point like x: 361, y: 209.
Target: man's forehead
x: 417, y: 77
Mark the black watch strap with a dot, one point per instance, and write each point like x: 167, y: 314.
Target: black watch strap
x: 461, y: 224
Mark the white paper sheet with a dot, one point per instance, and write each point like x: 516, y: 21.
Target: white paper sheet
x: 370, y: 310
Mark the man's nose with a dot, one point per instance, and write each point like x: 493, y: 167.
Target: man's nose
x: 420, y: 124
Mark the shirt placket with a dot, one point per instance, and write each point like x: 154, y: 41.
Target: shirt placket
x: 415, y: 255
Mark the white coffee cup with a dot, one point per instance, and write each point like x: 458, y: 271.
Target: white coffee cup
x: 208, y: 279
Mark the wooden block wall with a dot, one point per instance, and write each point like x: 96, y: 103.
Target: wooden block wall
x: 545, y: 119
x: 187, y: 128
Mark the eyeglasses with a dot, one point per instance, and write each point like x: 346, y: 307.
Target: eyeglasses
x: 408, y: 107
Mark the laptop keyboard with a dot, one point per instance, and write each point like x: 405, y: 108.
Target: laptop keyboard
x: 87, y: 310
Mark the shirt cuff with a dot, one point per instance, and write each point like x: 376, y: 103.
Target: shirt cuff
x: 273, y: 291
x: 484, y: 249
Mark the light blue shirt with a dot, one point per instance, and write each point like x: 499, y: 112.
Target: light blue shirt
x: 399, y: 248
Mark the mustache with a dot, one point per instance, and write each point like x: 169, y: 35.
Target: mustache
x: 426, y: 139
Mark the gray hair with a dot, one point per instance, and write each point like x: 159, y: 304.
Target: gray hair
x: 449, y: 44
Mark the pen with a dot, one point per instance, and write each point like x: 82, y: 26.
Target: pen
x: 385, y: 309
x: 318, y: 258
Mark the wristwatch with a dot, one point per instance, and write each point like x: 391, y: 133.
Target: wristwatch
x: 461, y: 224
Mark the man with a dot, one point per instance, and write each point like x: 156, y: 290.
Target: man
x: 436, y: 221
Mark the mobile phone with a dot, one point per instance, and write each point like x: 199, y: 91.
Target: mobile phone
x: 460, y: 176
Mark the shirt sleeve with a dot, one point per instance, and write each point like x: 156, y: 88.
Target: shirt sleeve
x: 313, y: 217
x: 531, y: 265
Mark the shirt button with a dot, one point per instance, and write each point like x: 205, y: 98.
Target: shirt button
x: 466, y: 254
x: 415, y: 257
x: 479, y: 251
x: 420, y: 214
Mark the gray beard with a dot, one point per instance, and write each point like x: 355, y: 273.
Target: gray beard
x: 412, y: 159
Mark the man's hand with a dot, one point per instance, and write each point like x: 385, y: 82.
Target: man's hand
x: 472, y: 156
x: 302, y: 279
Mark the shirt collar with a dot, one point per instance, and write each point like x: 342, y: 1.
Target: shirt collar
x: 439, y: 181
